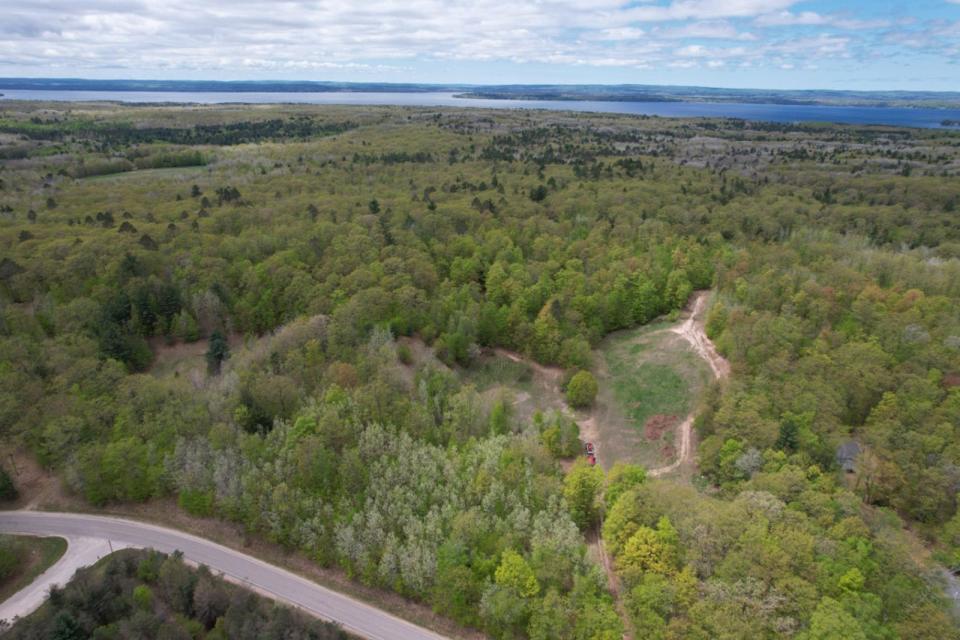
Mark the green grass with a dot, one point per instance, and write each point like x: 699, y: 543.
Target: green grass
x: 143, y: 174
x: 638, y: 348
x: 38, y: 555
x: 644, y: 372
x: 648, y: 389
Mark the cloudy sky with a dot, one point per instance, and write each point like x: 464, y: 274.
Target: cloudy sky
x: 857, y: 44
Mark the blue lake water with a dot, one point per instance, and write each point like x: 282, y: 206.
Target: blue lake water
x: 899, y: 116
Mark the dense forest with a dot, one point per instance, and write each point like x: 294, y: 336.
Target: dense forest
x: 311, y: 252
x: 153, y: 596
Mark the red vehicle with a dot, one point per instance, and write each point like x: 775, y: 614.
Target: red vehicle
x: 590, y: 452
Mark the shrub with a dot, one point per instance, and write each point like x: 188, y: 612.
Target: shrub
x: 197, y: 503
x: 143, y: 597
x: 582, y: 390
x: 562, y: 438
x: 8, y: 491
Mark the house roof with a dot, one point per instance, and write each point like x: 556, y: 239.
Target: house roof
x: 847, y: 453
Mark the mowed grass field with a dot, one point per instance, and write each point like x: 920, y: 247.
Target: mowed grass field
x: 644, y: 373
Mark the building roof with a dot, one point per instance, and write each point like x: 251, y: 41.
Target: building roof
x: 847, y: 453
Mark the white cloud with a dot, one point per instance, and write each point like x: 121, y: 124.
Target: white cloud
x: 812, y: 18
x: 619, y: 33
x: 704, y: 29
x: 706, y: 9
x: 785, y: 18
x: 309, y: 37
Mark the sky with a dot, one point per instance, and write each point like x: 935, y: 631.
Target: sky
x: 775, y: 44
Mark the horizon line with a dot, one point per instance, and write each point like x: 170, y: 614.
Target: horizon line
x: 466, y: 84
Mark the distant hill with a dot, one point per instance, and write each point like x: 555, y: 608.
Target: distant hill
x: 666, y: 93
x: 232, y: 86
x: 603, y: 93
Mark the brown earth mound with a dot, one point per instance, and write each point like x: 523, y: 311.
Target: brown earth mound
x: 657, y: 425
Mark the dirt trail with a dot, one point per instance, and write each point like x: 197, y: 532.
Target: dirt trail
x: 551, y: 373
x: 692, y: 329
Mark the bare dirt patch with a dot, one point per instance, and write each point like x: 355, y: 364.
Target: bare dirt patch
x: 589, y: 432
x: 656, y: 426
x: 692, y: 329
x: 35, y: 485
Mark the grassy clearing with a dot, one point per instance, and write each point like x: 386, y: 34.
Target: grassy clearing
x: 36, y: 556
x: 645, y: 389
x: 181, y: 358
x: 644, y: 372
x: 143, y: 174
x: 188, y: 359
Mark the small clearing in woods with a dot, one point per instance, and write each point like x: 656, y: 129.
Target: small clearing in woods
x: 185, y: 359
x: 650, y: 381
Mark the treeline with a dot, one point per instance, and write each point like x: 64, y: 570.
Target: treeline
x: 150, y: 595
x: 116, y: 134
x: 161, y: 160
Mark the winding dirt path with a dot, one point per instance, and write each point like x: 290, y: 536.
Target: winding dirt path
x: 692, y: 330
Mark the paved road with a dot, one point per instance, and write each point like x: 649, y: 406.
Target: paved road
x: 354, y: 616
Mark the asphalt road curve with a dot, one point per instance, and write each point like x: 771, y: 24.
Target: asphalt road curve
x: 354, y: 616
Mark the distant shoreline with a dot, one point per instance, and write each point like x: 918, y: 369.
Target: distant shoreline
x: 565, y: 93
x: 484, y: 95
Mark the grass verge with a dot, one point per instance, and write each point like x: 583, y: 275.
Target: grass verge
x: 36, y: 556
